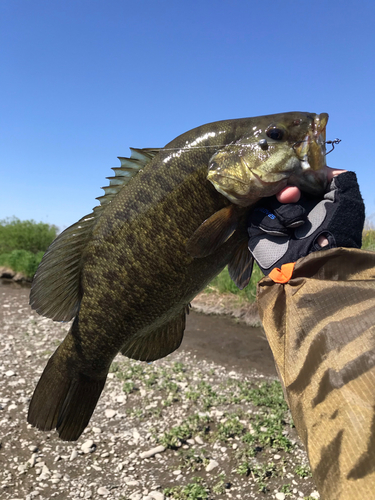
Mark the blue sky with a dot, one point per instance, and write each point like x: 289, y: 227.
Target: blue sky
x: 82, y: 80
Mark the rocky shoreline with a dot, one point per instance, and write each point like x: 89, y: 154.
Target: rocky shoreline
x: 178, y: 428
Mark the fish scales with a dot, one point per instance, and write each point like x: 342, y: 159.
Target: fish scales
x: 149, y: 249
x: 144, y: 270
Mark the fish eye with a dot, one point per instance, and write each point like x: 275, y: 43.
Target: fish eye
x: 275, y: 133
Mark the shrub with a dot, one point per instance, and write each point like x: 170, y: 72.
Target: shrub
x: 22, y: 261
x: 26, y: 235
x: 23, y: 243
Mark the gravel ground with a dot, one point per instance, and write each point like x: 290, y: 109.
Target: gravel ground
x: 181, y: 427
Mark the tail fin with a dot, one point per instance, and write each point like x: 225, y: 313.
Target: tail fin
x: 64, y: 399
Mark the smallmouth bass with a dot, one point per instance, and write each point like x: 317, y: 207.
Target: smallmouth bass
x: 169, y: 222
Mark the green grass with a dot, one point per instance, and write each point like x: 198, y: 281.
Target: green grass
x: 303, y: 471
x: 368, y: 239
x: 223, y: 284
x: 207, y: 412
x: 193, y: 425
x: 196, y: 490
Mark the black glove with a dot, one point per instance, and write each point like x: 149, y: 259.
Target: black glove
x: 281, y: 233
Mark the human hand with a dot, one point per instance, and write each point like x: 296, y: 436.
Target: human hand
x: 282, y: 232
x: 292, y: 194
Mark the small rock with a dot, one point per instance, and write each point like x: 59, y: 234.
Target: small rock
x: 135, y: 496
x: 152, y: 452
x: 212, y: 465
x: 43, y: 477
x: 280, y: 496
x: 110, y: 413
x: 121, y: 399
x: 96, y: 430
x: 45, y: 470
x: 103, y: 491
x: 156, y: 495
x: 32, y: 460
x: 88, y: 446
x: 88, y: 494
x: 315, y: 494
x: 73, y: 455
x: 198, y: 440
x: 277, y: 457
x: 22, y: 468
x: 10, y: 373
x: 136, y: 435
x: 176, y: 472
x: 132, y: 482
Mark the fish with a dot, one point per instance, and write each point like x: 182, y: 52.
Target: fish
x: 170, y: 220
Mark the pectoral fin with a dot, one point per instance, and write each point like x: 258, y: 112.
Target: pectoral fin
x: 241, y: 266
x: 158, y: 343
x: 213, y: 232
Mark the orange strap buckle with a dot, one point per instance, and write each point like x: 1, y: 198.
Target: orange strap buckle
x: 284, y: 274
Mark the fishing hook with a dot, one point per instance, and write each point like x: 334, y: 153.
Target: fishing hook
x: 336, y: 141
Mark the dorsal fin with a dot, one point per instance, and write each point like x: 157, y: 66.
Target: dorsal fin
x: 56, y: 291
x: 139, y: 158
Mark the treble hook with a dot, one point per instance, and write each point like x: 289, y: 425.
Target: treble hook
x: 336, y: 141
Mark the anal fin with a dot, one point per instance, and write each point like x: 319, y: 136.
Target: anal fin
x: 158, y: 343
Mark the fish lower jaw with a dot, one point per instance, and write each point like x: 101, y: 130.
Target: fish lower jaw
x: 234, y: 197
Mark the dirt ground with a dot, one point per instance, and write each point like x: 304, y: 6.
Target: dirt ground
x: 118, y: 456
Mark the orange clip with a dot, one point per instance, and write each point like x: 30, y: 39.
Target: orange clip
x: 284, y: 274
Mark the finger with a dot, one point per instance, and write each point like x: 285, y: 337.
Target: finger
x: 290, y: 194
x: 333, y: 172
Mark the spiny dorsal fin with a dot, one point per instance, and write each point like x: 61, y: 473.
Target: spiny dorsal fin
x: 55, y: 292
x: 129, y: 168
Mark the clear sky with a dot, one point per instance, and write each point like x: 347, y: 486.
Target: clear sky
x: 82, y: 80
